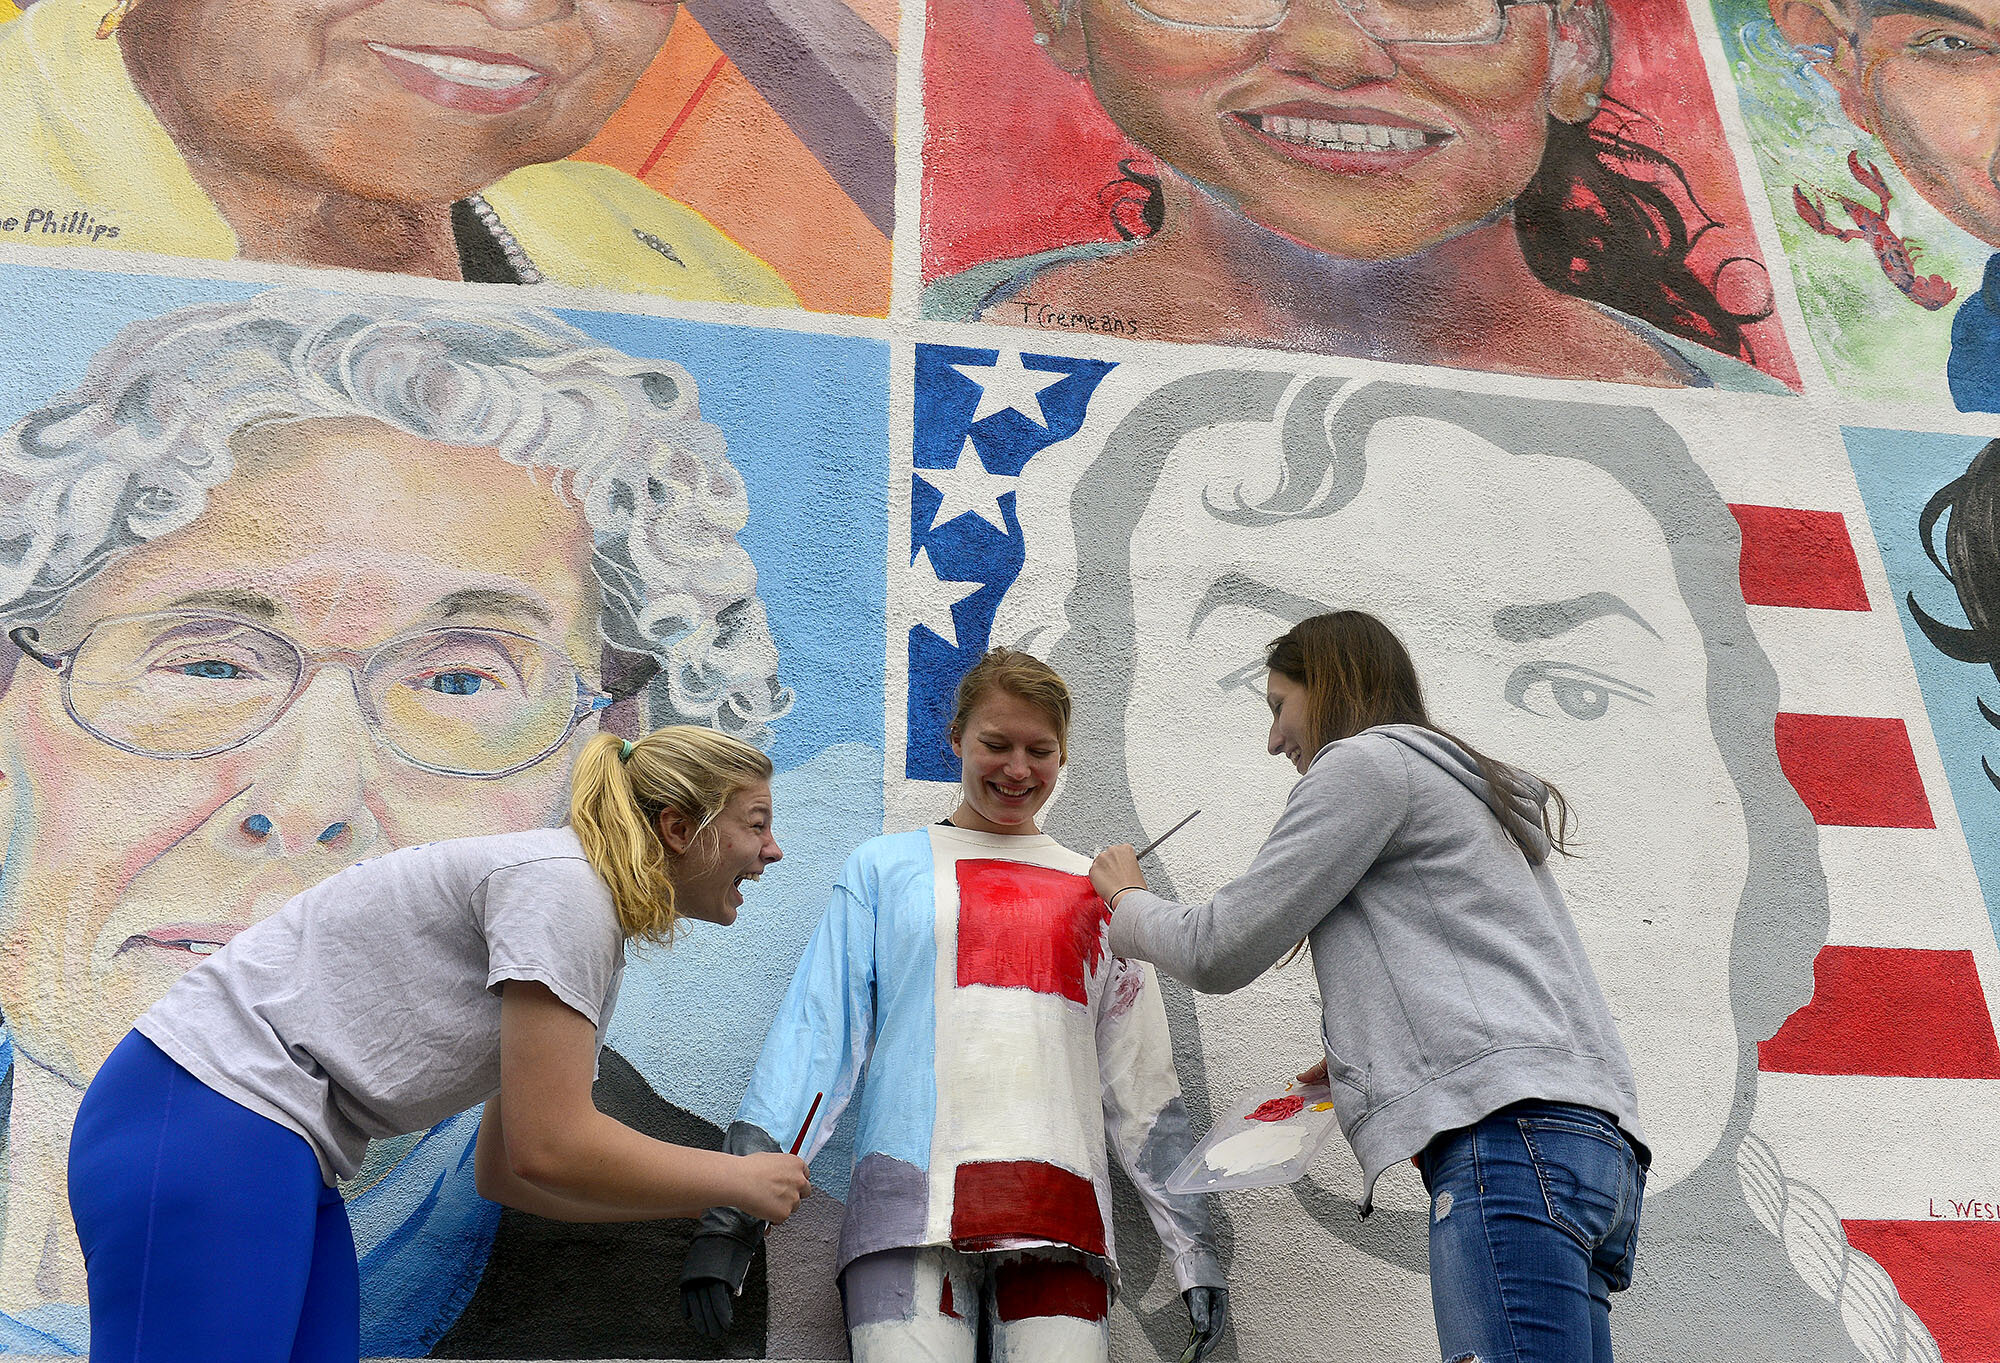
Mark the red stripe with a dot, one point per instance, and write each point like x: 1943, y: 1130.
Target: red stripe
x: 1798, y: 558
x: 1945, y: 1271
x: 1043, y: 1287
x: 995, y: 1201
x: 1854, y: 771
x: 687, y: 111
x: 1889, y: 1011
x: 1028, y: 927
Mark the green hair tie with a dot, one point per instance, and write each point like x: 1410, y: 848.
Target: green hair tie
x: 625, y: 750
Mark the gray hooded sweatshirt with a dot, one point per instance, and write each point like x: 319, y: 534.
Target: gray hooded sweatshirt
x: 1453, y: 979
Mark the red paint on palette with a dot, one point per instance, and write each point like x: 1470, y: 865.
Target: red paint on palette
x: 1853, y: 771
x: 1944, y: 1271
x: 1278, y: 1109
x: 1798, y: 558
x: 1028, y: 927
x: 1891, y: 1012
x: 1049, y: 1288
x: 995, y: 1202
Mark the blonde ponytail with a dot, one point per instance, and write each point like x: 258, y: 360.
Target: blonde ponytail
x: 617, y: 793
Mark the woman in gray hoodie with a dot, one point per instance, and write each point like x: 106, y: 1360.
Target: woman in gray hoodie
x: 1463, y: 1024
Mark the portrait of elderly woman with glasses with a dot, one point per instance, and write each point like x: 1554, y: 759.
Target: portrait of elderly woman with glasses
x: 409, y: 135
x: 1432, y: 181
x: 291, y: 582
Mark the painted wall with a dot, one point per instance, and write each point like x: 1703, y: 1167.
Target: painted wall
x: 1632, y: 359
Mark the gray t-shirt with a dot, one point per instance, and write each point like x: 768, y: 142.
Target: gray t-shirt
x: 369, y: 1005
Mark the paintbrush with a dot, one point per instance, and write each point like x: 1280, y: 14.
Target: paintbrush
x: 1164, y: 836
x: 806, y: 1125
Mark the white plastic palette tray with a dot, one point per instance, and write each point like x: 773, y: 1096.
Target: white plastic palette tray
x: 1267, y: 1137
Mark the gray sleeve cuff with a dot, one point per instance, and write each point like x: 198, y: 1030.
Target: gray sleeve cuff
x: 1199, y: 1267
x: 728, y: 1238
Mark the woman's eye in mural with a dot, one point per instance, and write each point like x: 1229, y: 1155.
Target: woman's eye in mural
x: 1578, y: 692
x: 1952, y: 47
x: 210, y: 669
x: 461, y: 683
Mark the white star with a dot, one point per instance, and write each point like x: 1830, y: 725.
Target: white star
x: 932, y: 597
x: 1008, y: 385
x: 968, y: 487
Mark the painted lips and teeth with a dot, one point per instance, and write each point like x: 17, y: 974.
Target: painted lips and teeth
x: 476, y: 75
x: 1324, y: 134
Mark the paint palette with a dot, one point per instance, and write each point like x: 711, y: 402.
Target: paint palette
x: 1265, y: 1138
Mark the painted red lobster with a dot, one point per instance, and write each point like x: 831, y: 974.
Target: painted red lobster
x: 1896, y: 256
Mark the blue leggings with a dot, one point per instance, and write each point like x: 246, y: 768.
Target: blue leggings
x: 208, y: 1234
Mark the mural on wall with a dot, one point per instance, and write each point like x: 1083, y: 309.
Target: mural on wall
x: 738, y: 151
x: 1876, y: 124
x: 1170, y: 525
x: 1930, y: 498
x: 1538, y: 188
x: 241, y: 536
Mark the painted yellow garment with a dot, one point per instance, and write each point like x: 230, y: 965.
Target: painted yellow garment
x: 7, y: 12
x: 83, y: 161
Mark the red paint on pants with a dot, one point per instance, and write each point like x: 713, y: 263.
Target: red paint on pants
x: 1049, y: 1287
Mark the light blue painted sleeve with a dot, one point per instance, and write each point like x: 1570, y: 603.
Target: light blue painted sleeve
x: 820, y: 1041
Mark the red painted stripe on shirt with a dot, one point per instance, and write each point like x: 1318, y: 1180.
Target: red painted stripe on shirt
x: 997, y: 1201
x: 1895, y: 1012
x: 1028, y: 927
x: 1043, y: 1287
x: 1945, y: 1272
x: 1798, y: 558
x: 1854, y: 771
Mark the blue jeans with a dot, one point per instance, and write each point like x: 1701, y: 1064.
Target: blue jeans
x: 1534, y: 1219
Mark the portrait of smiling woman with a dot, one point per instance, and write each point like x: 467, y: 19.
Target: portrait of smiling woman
x: 407, y: 135
x: 1442, y: 182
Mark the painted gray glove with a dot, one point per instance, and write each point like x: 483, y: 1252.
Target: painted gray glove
x: 718, y: 1258
x: 1208, y: 1313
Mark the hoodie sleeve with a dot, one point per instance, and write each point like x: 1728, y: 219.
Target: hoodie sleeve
x: 1339, y: 817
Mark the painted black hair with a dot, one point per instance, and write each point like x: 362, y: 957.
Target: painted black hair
x: 1971, y: 563
x: 1588, y: 226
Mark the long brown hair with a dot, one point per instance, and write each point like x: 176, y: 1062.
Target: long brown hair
x: 1356, y: 674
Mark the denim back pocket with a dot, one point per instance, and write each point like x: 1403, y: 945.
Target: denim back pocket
x: 1588, y: 1174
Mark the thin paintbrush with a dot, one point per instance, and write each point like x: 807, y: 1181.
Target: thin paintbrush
x: 1164, y: 836
x: 806, y: 1125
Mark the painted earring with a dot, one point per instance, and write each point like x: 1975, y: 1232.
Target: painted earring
x: 114, y: 18
x: 1041, y: 40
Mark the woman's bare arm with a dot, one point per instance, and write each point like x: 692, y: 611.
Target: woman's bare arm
x: 545, y: 1148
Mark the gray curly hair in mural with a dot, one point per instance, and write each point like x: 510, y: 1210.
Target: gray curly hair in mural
x: 133, y: 452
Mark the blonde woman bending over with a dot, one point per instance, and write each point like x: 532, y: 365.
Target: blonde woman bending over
x: 381, y: 1001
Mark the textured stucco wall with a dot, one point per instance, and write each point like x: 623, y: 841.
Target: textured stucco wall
x: 1603, y: 351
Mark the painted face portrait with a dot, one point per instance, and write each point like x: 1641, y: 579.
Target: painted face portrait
x: 1924, y: 77
x: 1369, y: 132
x: 297, y: 581
x: 1576, y: 657
x: 306, y: 86
x: 1600, y: 642
x: 132, y: 861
